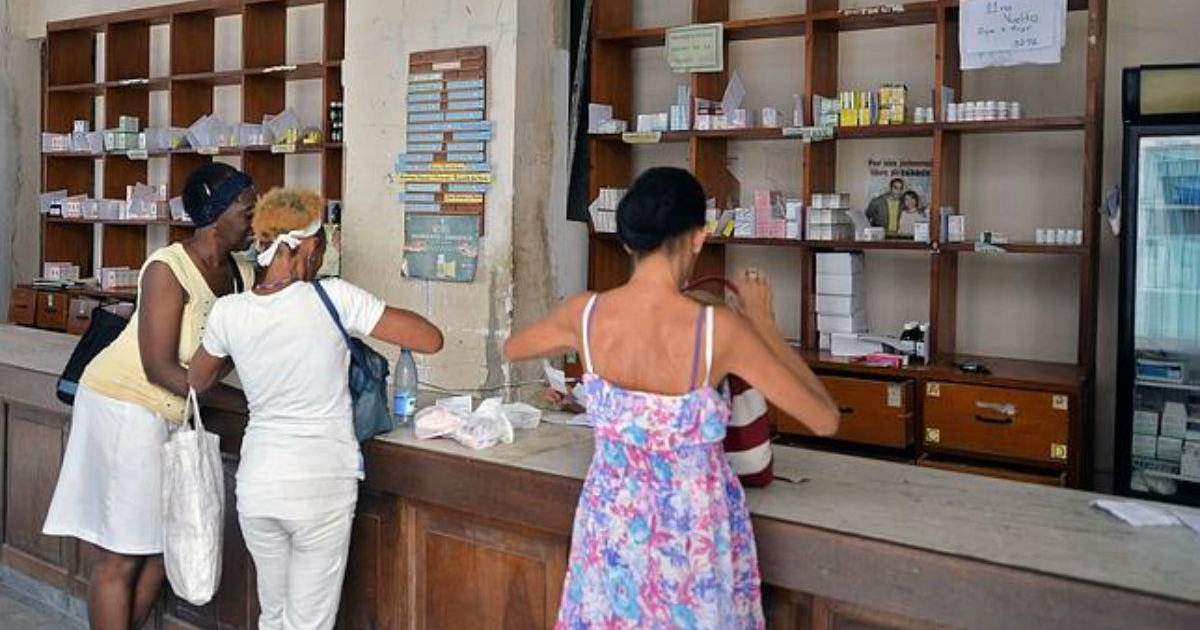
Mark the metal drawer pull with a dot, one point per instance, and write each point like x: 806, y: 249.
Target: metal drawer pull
x: 1000, y: 421
x: 846, y: 411
x: 1005, y: 409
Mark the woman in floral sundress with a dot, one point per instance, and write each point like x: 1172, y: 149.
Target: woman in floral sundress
x: 662, y: 537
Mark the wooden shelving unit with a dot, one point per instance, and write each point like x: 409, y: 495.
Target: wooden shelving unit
x: 74, y: 87
x: 614, y: 38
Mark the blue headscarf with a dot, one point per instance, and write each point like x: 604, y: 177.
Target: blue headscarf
x: 220, y: 198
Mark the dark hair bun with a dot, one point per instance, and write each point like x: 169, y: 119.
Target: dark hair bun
x: 662, y: 204
x: 201, y: 184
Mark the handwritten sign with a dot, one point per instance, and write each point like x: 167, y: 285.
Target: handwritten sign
x: 696, y: 48
x: 1010, y: 25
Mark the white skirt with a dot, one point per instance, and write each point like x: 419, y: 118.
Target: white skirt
x: 109, y: 490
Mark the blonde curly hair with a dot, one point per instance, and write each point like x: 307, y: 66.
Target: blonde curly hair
x: 282, y: 210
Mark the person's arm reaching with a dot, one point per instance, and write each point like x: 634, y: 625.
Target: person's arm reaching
x: 408, y: 330
x: 554, y: 335
x: 752, y: 348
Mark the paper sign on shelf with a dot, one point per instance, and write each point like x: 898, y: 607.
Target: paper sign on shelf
x: 696, y: 48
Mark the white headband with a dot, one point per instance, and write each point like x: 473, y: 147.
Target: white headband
x: 291, y: 239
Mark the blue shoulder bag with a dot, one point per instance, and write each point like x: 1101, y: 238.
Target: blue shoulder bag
x: 368, y: 379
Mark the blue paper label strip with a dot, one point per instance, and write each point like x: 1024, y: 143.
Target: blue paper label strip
x: 425, y: 148
x: 416, y: 187
x: 425, y: 107
x: 465, y: 157
x: 464, y: 85
x: 472, y: 115
x: 427, y: 97
x: 426, y: 117
x: 426, y: 137
x: 462, y: 105
x: 467, y: 95
x: 468, y: 188
x: 472, y: 136
x: 466, y: 147
x: 423, y: 207
x: 408, y: 197
x: 482, y: 125
x: 432, y: 86
x: 408, y: 158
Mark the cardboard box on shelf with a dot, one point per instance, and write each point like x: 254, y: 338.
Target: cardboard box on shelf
x: 839, y: 284
x: 1189, y: 463
x: 840, y: 263
x: 1145, y: 422
x: 839, y: 304
x: 1145, y: 446
x: 1174, y: 420
x: 855, y: 322
x: 1170, y: 449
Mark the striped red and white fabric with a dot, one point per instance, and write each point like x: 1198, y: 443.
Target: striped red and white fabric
x: 748, y: 436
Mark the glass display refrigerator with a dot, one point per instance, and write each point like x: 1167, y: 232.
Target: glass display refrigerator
x: 1157, y: 450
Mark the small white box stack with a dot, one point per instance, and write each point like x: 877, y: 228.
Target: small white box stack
x: 828, y: 219
x: 840, y: 302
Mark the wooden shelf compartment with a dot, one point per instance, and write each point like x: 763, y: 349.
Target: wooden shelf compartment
x: 125, y: 222
x: 1021, y: 248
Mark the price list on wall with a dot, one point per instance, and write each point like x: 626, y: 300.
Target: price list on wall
x: 444, y: 171
x: 445, y: 167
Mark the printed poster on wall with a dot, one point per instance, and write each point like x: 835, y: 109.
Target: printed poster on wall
x: 898, y: 192
x: 442, y: 247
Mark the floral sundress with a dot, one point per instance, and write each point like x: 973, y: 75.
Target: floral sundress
x: 662, y: 537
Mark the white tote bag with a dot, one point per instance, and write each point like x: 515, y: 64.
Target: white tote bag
x: 193, y: 508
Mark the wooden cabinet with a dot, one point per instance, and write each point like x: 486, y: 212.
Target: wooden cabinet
x: 31, y: 473
x: 474, y: 573
x: 1024, y: 425
x: 1050, y: 478
x: 22, y: 308
x: 879, y: 413
x: 373, y: 588
x: 52, y: 310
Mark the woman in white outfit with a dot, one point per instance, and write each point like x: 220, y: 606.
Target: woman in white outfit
x: 297, y: 483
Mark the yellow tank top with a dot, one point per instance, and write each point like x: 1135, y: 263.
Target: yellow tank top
x: 117, y: 371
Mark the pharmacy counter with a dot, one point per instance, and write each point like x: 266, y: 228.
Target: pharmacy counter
x: 451, y: 538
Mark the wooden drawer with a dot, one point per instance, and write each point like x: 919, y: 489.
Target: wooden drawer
x: 22, y: 308
x: 52, y: 310
x: 80, y: 315
x: 1058, y: 479
x: 1020, y: 424
x: 879, y: 413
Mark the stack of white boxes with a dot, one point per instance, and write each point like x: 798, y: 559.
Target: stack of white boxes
x: 828, y: 218
x: 1168, y: 442
x: 840, y: 296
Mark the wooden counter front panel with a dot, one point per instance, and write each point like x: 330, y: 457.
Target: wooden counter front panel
x: 31, y: 473
x: 879, y: 413
x: 1015, y: 424
x: 474, y: 573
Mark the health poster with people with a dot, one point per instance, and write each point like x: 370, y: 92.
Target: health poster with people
x: 442, y: 247
x: 898, y: 193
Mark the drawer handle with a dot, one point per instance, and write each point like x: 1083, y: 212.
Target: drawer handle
x: 1004, y: 409
x: 996, y: 421
x: 846, y: 411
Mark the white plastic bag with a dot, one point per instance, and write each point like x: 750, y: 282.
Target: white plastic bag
x: 193, y: 508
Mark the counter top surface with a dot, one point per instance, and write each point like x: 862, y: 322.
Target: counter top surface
x: 1043, y: 529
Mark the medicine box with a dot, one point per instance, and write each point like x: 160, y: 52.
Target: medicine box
x: 1145, y: 422
x: 1170, y: 449
x: 826, y: 341
x: 1174, y: 420
x: 839, y: 263
x: 1145, y: 446
x: 839, y: 304
x: 856, y: 322
x: 838, y: 284
x: 958, y: 228
x: 1189, y: 462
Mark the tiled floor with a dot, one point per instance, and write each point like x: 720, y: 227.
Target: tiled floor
x: 19, y: 612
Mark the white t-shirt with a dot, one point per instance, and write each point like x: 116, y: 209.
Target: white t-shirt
x: 293, y: 363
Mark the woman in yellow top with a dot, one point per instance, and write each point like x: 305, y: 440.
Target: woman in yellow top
x: 131, y: 395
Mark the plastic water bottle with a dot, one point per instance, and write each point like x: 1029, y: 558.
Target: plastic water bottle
x: 404, y: 399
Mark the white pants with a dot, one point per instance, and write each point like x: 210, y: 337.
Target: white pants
x: 300, y: 565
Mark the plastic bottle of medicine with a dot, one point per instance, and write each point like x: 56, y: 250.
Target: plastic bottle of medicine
x: 404, y: 398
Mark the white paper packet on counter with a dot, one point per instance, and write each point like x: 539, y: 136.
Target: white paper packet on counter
x: 491, y: 423
x: 438, y: 421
